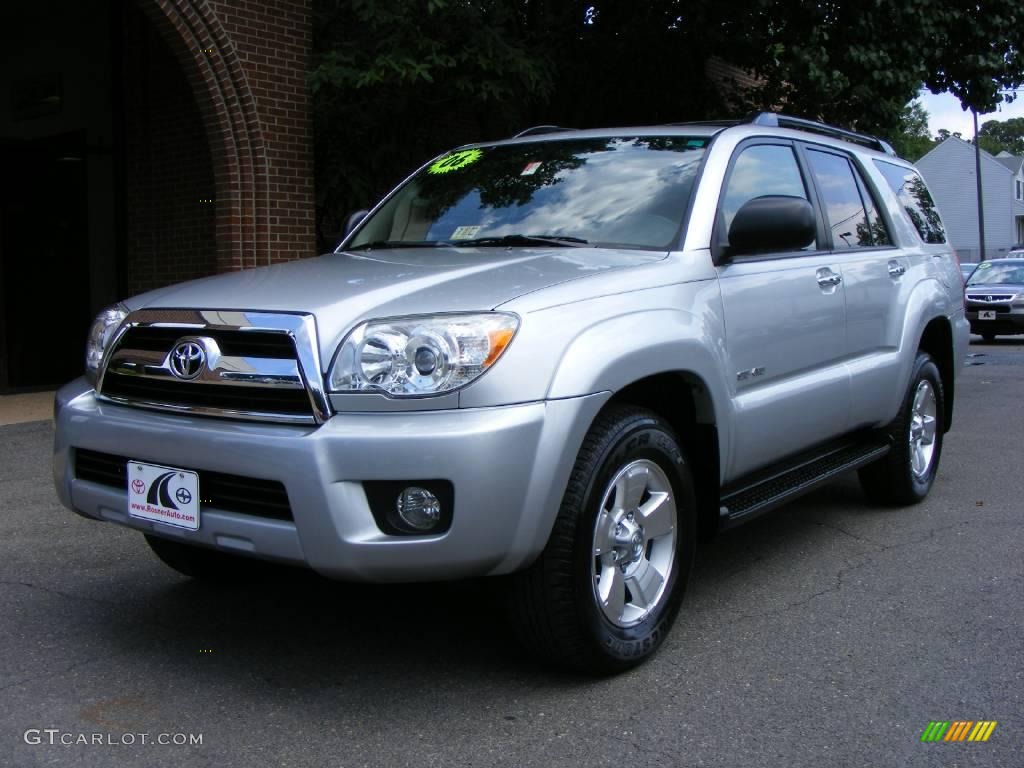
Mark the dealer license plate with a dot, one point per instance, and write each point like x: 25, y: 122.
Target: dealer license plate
x: 163, y: 495
x: 987, y: 314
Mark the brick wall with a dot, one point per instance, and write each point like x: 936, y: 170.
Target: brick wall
x: 244, y: 64
x: 272, y: 41
x: 170, y: 227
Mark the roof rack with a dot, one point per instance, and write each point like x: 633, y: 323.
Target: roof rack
x: 538, y: 129
x: 774, y: 120
x: 711, y: 123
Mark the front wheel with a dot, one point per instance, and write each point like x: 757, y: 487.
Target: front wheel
x: 605, y: 591
x: 905, y: 475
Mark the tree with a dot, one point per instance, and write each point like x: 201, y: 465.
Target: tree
x: 913, y: 139
x: 996, y: 136
x: 396, y: 81
x: 859, y: 63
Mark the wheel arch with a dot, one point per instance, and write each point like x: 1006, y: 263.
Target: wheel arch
x: 937, y: 341
x: 684, y: 400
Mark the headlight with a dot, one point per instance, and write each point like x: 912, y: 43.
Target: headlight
x: 102, y: 331
x: 416, y: 356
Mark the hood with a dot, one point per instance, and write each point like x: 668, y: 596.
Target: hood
x: 343, y: 289
x: 986, y: 289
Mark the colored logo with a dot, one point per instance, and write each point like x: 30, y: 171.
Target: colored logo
x: 188, y: 358
x: 455, y: 161
x: 958, y: 730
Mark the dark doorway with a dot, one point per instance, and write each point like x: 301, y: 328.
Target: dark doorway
x: 44, y: 268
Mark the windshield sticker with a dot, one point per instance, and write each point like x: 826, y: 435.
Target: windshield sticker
x: 455, y: 161
x: 465, y: 233
x: 985, y: 265
x: 696, y: 143
x: 531, y: 168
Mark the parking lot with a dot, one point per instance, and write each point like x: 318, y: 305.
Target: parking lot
x: 829, y: 633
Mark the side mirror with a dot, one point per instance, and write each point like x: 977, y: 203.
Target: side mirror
x: 353, y: 221
x: 772, y: 223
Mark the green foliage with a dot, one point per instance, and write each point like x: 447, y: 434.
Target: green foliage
x: 858, y: 64
x: 912, y: 139
x: 396, y: 81
x: 996, y: 136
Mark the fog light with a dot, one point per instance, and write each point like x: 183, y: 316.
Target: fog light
x: 418, y: 508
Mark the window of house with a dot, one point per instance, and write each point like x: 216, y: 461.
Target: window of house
x: 849, y: 209
x: 1020, y: 190
x: 915, y: 199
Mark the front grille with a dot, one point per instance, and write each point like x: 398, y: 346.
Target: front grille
x: 985, y: 298
x: 260, y: 369
x: 234, y: 343
x: 220, y: 397
x: 231, y: 493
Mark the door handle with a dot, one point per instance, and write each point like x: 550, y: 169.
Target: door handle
x: 828, y: 279
x: 896, y: 269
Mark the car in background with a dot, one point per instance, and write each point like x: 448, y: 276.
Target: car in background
x: 995, y: 298
x: 1017, y: 252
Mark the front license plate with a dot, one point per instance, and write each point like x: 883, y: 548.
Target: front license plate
x: 163, y: 495
x: 987, y: 314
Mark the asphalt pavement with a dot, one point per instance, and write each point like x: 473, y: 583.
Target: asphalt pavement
x: 829, y: 633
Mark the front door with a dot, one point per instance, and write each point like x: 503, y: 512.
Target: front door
x: 785, y: 327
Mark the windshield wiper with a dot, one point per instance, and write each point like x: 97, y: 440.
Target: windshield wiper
x: 563, y: 241
x: 383, y: 244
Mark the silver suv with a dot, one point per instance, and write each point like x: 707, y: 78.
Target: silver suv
x: 563, y: 356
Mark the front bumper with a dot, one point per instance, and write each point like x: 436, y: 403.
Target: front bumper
x: 509, y: 466
x: 1009, y: 317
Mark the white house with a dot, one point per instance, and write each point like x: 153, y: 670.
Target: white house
x: 949, y: 170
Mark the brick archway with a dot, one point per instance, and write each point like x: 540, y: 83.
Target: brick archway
x: 246, y: 65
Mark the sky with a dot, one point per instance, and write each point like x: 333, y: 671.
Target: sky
x: 944, y: 112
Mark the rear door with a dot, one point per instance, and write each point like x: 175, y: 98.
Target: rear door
x: 875, y: 273
x: 785, y: 323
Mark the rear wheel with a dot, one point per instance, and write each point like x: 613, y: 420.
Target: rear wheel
x: 605, y: 591
x: 905, y: 475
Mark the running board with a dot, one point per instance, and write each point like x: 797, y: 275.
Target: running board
x: 775, y: 487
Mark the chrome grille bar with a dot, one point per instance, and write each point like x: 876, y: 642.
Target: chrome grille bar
x: 145, y: 377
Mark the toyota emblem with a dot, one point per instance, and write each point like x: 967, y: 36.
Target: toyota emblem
x: 188, y: 359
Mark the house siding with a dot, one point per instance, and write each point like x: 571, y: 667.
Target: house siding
x: 949, y: 171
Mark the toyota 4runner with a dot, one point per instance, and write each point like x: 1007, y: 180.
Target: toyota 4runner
x: 562, y: 357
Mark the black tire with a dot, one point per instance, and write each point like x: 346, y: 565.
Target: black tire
x: 892, y: 480
x: 201, y: 563
x: 556, y: 609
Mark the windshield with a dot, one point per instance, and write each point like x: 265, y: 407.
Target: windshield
x: 989, y: 273
x: 624, y: 191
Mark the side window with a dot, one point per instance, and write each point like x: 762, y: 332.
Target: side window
x: 915, y: 199
x: 763, y: 169
x: 850, y: 211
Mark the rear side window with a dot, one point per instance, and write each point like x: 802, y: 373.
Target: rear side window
x: 849, y: 208
x: 915, y: 199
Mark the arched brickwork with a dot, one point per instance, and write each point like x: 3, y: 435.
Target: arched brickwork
x: 246, y: 64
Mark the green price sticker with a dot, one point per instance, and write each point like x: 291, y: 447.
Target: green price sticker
x: 455, y: 161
